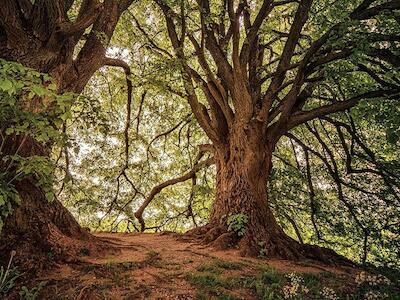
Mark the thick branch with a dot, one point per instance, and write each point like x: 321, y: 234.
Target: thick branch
x: 157, y: 189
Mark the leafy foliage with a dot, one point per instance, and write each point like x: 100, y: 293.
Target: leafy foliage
x: 8, y: 276
x: 237, y: 223
x: 33, y: 293
x: 31, y: 113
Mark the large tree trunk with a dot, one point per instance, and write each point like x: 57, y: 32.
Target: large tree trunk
x: 41, y: 35
x: 38, y: 230
x: 243, y: 167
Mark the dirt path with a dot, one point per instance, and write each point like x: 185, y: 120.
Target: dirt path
x: 160, y: 266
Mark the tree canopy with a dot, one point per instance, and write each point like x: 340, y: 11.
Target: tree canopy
x: 316, y: 83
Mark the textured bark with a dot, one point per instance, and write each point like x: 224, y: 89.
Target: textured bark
x: 255, y: 94
x: 243, y: 167
x: 41, y: 36
x: 37, y: 227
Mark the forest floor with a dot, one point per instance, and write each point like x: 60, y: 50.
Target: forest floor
x: 161, y: 266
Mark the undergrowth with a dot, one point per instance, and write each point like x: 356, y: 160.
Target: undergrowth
x: 212, y: 282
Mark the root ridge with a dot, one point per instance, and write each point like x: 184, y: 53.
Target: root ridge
x: 264, y: 244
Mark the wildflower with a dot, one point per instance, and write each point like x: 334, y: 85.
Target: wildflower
x: 329, y: 294
x: 372, y: 295
x: 371, y: 280
x: 295, y: 286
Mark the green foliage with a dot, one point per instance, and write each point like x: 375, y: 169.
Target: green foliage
x: 228, y: 265
x: 266, y: 286
x: 7, y: 279
x: 8, y: 276
x: 8, y: 198
x: 237, y: 223
x: 210, y: 286
x: 271, y: 284
x: 218, y: 266
x: 33, y: 293
x: 376, y: 286
x: 262, y: 252
x: 31, y: 113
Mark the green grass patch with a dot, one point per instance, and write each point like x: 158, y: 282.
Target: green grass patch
x: 228, y: 265
x: 270, y: 284
x: 219, y: 266
x: 211, y: 286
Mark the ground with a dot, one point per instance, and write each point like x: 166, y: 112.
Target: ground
x: 162, y: 266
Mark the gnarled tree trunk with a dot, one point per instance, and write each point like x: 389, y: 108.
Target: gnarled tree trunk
x: 253, y: 98
x: 40, y: 35
x: 243, y: 166
x: 38, y: 228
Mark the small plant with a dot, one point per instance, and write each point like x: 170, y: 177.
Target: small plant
x: 31, y: 294
x: 262, y: 252
x: 110, y: 265
x: 228, y: 265
x: 8, y: 276
x: 371, y: 287
x: 209, y: 268
x: 267, y: 286
x: 218, y: 266
x: 328, y: 294
x: 237, y: 223
x: 295, y: 288
x: 50, y: 254
x: 211, y: 286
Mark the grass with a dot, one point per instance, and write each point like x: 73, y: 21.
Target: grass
x: 265, y: 286
x: 228, y: 265
x: 209, y: 282
x: 210, y: 286
x: 219, y: 266
x: 268, y: 285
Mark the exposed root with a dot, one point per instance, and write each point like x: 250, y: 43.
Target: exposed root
x: 225, y: 241
x: 278, y: 245
x: 45, y: 233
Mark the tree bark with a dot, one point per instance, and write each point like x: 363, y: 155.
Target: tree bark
x: 243, y: 166
x: 41, y: 36
x: 38, y: 229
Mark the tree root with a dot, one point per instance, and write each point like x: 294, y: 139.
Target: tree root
x: 45, y: 233
x: 278, y: 245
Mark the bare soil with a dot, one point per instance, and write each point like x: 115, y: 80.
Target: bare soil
x: 155, y: 266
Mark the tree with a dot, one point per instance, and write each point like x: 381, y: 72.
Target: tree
x: 246, y: 100
x: 68, y: 40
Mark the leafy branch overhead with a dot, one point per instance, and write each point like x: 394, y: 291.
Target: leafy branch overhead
x: 268, y: 126
x: 247, y: 70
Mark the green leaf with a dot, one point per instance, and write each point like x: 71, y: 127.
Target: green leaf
x: 49, y: 196
x: 39, y: 90
x: 6, y: 85
x: 9, y: 131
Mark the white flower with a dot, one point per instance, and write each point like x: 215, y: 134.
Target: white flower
x: 372, y: 280
x: 372, y: 295
x: 329, y: 294
x: 295, y: 286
